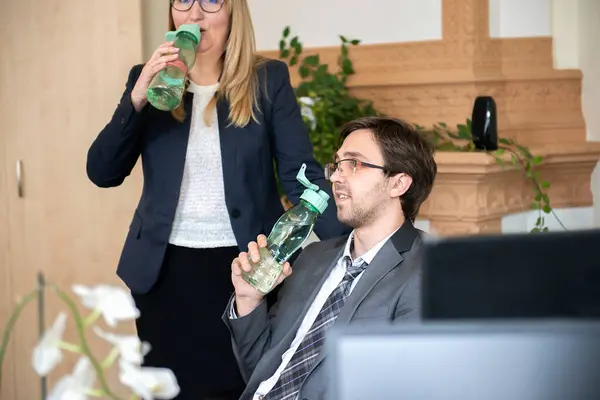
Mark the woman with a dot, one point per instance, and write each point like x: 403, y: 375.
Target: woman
x: 209, y: 186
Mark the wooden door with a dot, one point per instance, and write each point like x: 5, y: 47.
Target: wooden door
x: 64, y: 65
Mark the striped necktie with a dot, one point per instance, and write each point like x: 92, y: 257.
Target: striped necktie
x: 292, y: 377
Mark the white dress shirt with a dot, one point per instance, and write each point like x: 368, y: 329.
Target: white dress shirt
x: 334, y: 279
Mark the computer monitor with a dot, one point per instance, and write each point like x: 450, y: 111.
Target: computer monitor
x: 549, y: 360
x: 533, y: 275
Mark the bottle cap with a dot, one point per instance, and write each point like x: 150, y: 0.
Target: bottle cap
x: 313, y: 194
x: 192, y: 29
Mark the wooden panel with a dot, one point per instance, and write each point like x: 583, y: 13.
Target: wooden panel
x: 67, y: 68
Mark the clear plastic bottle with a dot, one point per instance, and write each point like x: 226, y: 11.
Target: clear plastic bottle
x: 288, y: 234
x: 166, y: 89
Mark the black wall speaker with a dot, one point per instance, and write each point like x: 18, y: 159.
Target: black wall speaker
x: 484, y: 124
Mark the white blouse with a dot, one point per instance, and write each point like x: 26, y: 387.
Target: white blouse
x: 201, y: 219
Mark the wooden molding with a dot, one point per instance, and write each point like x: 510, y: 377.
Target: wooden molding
x: 472, y: 192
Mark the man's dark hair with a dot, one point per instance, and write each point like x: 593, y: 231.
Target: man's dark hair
x: 404, y: 151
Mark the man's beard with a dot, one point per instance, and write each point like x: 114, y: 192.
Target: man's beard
x: 362, y: 214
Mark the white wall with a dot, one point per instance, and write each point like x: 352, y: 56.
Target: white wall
x: 520, y: 18
x: 576, y: 34
x: 320, y: 23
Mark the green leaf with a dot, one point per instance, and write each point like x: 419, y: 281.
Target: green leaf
x: 537, y: 160
x: 282, y: 45
x: 499, y: 152
x: 545, y: 184
x: 347, y: 67
x: 464, y: 132
x: 535, y: 206
x: 293, y: 60
x: 298, y: 48
x: 285, y: 53
x: 505, y: 141
x: 547, y: 209
x: 524, y: 150
x: 303, y: 71
x: 343, y: 39
x: 286, y: 31
x: 546, y: 199
x: 500, y: 162
x: 538, y: 197
x: 539, y: 221
x: 294, y: 41
x: 447, y: 146
x: 312, y: 60
x: 514, y: 160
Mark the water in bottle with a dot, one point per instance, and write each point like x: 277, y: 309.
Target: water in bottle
x: 287, y: 236
x: 166, y: 89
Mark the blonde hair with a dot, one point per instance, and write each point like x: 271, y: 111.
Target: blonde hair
x: 239, y: 82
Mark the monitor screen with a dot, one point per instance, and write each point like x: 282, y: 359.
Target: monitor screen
x: 467, y: 361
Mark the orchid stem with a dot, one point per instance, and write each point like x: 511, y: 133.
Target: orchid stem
x: 93, y: 317
x: 73, y: 348
x: 11, y: 323
x: 110, y: 359
x: 85, y: 348
x: 95, y: 393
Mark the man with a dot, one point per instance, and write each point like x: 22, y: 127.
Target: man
x: 383, y: 172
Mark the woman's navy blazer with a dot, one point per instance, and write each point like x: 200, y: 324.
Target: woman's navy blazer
x: 247, y: 155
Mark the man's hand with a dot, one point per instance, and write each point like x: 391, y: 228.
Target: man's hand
x: 247, y: 298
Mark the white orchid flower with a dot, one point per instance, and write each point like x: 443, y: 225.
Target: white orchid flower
x: 129, y: 347
x: 77, y: 385
x: 114, y: 303
x: 47, y: 354
x: 306, y: 104
x: 149, y: 383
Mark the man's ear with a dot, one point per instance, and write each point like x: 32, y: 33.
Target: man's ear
x: 400, y: 183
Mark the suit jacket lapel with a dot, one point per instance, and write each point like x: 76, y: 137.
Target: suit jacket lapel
x: 319, y: 272
x: 387, y: 258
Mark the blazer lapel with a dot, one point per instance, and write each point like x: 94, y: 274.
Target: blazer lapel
x: 228, y: 143
x: 176, y: 147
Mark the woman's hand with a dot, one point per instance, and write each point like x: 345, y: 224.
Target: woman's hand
x: 165, y: 53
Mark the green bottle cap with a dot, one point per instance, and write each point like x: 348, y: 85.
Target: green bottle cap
x: 192, y: 29
x: 313, y: 195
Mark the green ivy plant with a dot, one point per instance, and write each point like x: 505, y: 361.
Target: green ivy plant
x: 327, y: 105
x: 323, y: 94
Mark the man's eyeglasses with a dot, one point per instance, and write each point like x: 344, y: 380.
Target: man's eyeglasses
x: 209, y: 6
x: 348, y: 167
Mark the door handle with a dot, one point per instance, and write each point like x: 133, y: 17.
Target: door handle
x: 19, y: 178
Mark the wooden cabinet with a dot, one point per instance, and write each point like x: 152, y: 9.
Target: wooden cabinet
x: 63, y: 68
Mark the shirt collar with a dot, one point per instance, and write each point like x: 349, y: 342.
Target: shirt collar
x: 370, y: 254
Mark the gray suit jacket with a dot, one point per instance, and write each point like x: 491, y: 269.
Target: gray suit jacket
x: 389, y: 290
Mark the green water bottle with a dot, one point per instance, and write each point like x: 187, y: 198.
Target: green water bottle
x: 166, y: 89
x: 288, y: 235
